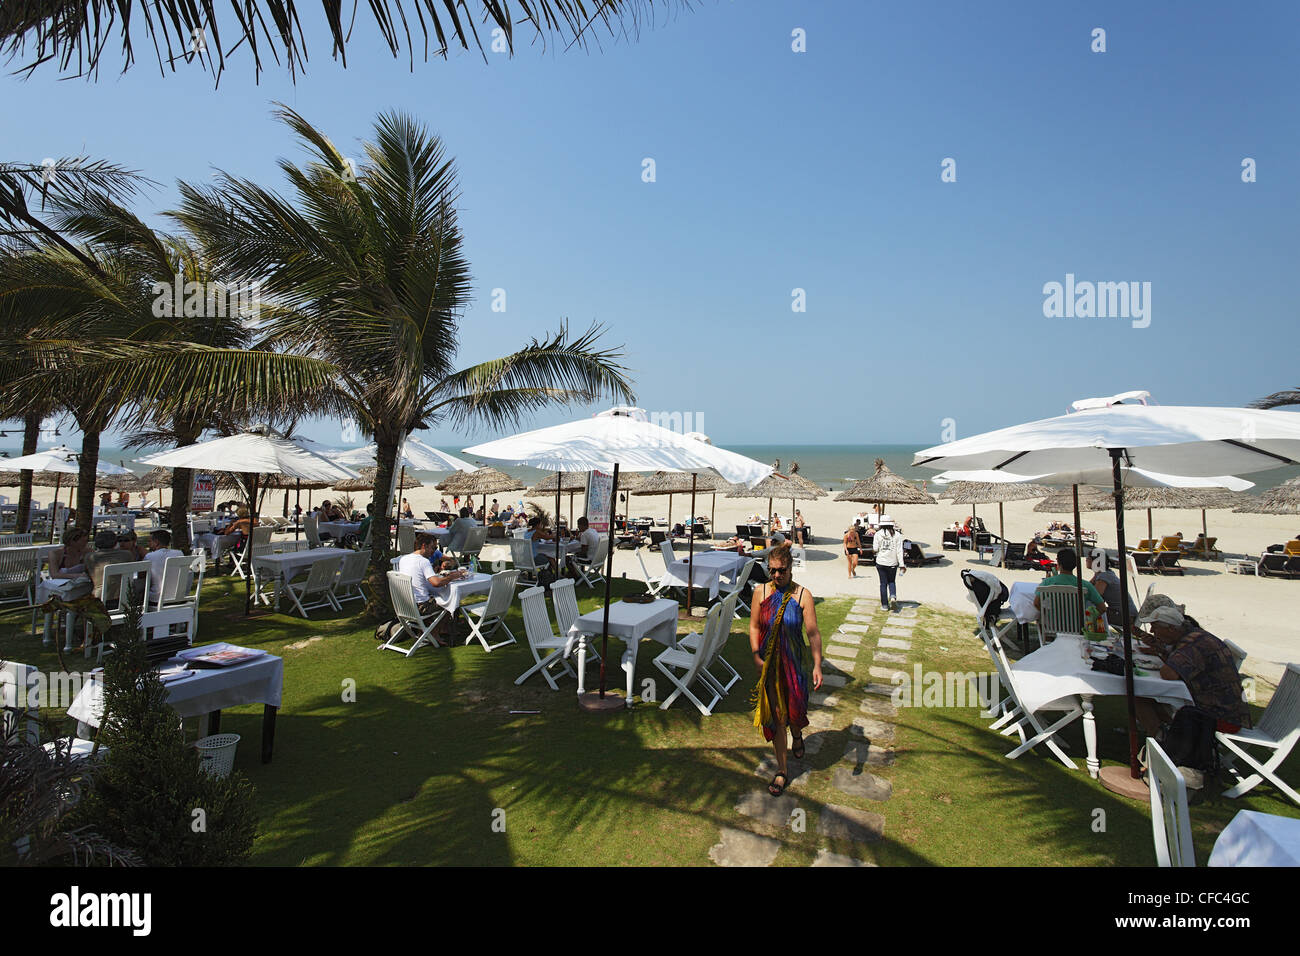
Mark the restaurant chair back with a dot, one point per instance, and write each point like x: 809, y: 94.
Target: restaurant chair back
x: 541, y: 639
x: 1171, y: 826
x: 318, y: 586
x: 690, y: 662
x: 405, y: 538
x: 1058, y: 611
x: 486, y: 619
x: 652, y: 584
x: 414, y: 625
x: 351, y: 572
x: 589, y: 568
x: 17, y: 577
x: 17, y: 541
x: 521, y: 555
x: 1278, y: 730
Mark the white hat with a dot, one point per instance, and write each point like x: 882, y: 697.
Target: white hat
x: 884, y: 519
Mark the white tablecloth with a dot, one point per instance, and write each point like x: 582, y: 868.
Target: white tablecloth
x: 1258, y: 839
x: 548, y: 547
x: 1021, y: 601
x: 282, y: 567
x: 257, y: 682
x: 629, y: 623
x: 708, y: 571
x: 449, y: 598
x: 1057, y: 671
x: 338, y: 529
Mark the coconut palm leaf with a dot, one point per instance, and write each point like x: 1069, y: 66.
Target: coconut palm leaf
x: 1278, y: 399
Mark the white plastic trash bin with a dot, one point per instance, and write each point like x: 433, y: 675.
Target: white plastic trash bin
x: 217, y: 753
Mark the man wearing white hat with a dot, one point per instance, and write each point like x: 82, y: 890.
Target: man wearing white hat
x: 1197, y: 658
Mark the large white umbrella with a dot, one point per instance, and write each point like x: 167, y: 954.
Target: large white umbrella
x: 1093, y: 446
x: 259, y: 451
x: 416, y: 455
x: 607, y: 442
x: 61, y: 460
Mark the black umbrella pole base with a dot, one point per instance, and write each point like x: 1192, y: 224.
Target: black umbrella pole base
x: 593, y: 703
x: 1119, y: 780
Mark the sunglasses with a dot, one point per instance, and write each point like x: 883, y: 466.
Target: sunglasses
x: 777, y: 570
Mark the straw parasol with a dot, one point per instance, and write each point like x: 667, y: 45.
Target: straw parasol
x: 776, y: 485
x: 367, y: 481
x: 987, y: 492
x: 1202, y: 498
x: 885, y: 488
x: 482, y: 482
x: 1282, y: 500
x: 1091, y: 498
x: 682, y: 483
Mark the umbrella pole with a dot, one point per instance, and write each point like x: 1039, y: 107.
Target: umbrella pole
x: 58, y: 478
x: 1134, y: 772
x: 559, y: 480
x: 690, y: 548
x: 1078, y: 543
x: 248, y: 544
x: 670, y: 516
x: 297, y: 506
x: 1149, y: 534
x: 713, y: 513
x: 609, y: 574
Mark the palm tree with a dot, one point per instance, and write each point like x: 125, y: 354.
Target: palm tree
x: 77, y: 31
x: 1278, y: 399
x: 369, y: 266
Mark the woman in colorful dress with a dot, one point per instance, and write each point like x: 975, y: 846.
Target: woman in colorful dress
x: 781, y: 613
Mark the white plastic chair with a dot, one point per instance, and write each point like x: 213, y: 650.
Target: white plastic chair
x: 1013, y: 718
x: 414, y: 624
x: 492, y: 612
x: 17, y: 578
x: 319, y: 585
x: 1278, y: 731
x: 564, y: 598
x: 125, y: 584
x: 1058, y: 611
x: 475, y: 539
x: 589, y: 569
x: 692, y: 641
x: 652, y: 585
x: 405, y: 538
x: 691, y: 662
x: 352, y: 571
x: 521, y: 555
x: 735, y: 590
x: 17, y: 541
x: 670, y: 556
x: 1171, y: 825
x: 20, y: 687
x: 537, y: 628
x: 167, y: 623
x: 1238, y: 655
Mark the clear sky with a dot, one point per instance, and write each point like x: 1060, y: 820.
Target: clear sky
x: 779, y: 170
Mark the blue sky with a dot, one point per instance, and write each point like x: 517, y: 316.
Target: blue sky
x: 820, y: 170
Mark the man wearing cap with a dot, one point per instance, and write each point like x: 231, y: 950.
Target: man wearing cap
x: 1197, y: 658
x: 888, y: 546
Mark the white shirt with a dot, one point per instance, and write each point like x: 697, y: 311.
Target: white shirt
x: 589, y: 538
x: 419, y: 569
x: 888, y: 546
x: 157, y: 559
x: 459, y: 531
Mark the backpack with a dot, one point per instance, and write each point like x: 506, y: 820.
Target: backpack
x: 386, y: 632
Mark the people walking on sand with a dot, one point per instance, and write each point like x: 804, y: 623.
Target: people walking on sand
x: 852, y: 548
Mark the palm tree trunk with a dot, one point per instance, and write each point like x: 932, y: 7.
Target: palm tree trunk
x: 31, y: 431
x: 379, y: 607
x: 88, y: 462
x: 179, y: 508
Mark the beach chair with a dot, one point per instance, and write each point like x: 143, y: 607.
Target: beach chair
x: 1238, y: 655
x: 1146, y: 544
x: 492, y: 612
x: 1171, y: 825
x: 1275, y: 564
x: 351, y: 574
x: 651, y: 584
x: 692, y: 641
x: 914, y: 555
x: 564, y: 598
x: 589, y: 569
x: 1278, y: 731
x: 1292, y: 548
x: 950, y: 541
x: 20, y: 703
x: 1205, y: 548
x: 541, y: 639
x: 318, y: 585
x: 729, y: 590
x: 414, y: 624
x: 657, y: 537
x: 1166, y: 562
x: 521, y: 555
x: 690, y: 661
x: 1058, y: 611
x: 1014, y: 558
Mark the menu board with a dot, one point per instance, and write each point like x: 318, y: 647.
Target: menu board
x: 600, y: 487
x: 203, y: 496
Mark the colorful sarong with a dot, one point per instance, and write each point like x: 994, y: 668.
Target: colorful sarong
x: 781, y: 620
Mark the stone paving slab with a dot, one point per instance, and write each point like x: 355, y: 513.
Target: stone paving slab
x: 880, y: 690
x: 799, y: 770
x: 846, y: 823
x: 826, y: 858
x: 822, y: 699
x: 879, y: 707
x: 857, y: 619
x: 871, y: 729
x: 765, y: 808
x: 888, y: 657
x: 907, y: 612
x: 854, y: 628
x: 741, y: 848
x: 861, y: 752
x: 899, y: 621
x: 894, y: 644
x: 840, y: 666
x: 833, y: 680
x: 845, y: 637
x: 895, y: 632
x: 812, y: 743
x: 838, y: 650
x: 821, y: 719
x: 862, y: 784
x: 885, y: 673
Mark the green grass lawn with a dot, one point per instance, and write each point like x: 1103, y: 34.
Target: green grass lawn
x: 425, y: 764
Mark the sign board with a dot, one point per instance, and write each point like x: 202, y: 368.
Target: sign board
x: 600, y: 486
x: 203, y: 495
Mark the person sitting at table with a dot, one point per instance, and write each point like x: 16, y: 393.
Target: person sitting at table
x: 1035, y: 556
x: 128, y: 541
x: 1196, y: 657
x: 106, y: 552
x: 331, y: 512
x: 460, y: 530
x: 69, y: 561
x: 418, y: 566
x: 160, y: 549
x: 123, y: 499
x: 1068, y: 562
x: 1107, y: 584
x: 537, y: 533
x: 588, y: 536
x: 365, y: 523
x: 106, y: 500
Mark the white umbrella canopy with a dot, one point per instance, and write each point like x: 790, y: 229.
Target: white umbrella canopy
x: 416, y: 455
x: 61, y: 459
x: 1188, y: 441
x: 603, y: 441
x: 253, y: 452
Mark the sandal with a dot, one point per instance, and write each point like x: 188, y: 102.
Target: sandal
x: 796, y: 747
x: 776, y: 789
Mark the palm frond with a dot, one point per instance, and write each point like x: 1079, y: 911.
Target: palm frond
x: 1278, y: 399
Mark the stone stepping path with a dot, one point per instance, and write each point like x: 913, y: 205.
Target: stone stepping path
x: 826, y: 858
x: 854, y: 629
x: 879, y: 707
x: 894, y: 621
x: 836, y: 650
x: 762, y: 806
x: 799, y: 770
x: 885, y: 673
x: 833, y: 680
x: 880, y: 690
x: 894, y: 644
x: 845, y: 638
x: 862, y: 784
x: 821, y: 699
x: 846, y: 823
x: 896, y: 631
x: 886, y: 657
x: 863, y: 752
x: 742, y: 848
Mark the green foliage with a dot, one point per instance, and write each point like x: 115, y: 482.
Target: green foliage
x: 150, y: 788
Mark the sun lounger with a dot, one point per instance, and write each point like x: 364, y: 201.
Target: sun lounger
x: 950, y: 541
x: 1274, y: 564
x: 1292, y: 549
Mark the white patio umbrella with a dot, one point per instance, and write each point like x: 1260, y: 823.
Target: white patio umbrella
x: 415, y: 455
x: 259, y: 451
x: 61, y: 460
x: 608, y: 442
x: 1093, y: 446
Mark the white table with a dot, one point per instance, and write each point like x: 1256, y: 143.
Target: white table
x: 1258, y: 839
x: 628, y: 623
x: 707, y: 571
x: 259, y: 681
x: 1056, y: 672
x: 338, y: 529
x: 448, y: 598
x: 548, y: 547
x: 1021, y: 601
x: 282, y: 568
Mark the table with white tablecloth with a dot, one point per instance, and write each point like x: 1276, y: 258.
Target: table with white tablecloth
x: 68, y: 589
x: 448, y: 598
x: 706, y: 571
x: 259, y: 681
x: 1258, y: 839
x: 629, y: 623
x: 337, y: 529
x: 281, y: 568
x: 1021, y: 601
x: 1057, y: 671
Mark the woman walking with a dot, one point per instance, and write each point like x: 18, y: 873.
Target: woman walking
x: 888, y: 545
x: 781, y: 612
x: 852, y: 547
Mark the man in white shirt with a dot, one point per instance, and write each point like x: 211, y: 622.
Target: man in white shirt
x: 160, y: 550
x: 418, y: 566
x: 460, y: 530
x: 589, y: 538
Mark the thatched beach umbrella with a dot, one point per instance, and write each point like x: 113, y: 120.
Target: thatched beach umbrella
x: 556, y: 483
x: 1202, y: 498
x: 885, y: 488
x: 367, y: 481
x: 482, y: 481
x: 987, y: 492
x: 1282, y: 500
x: 680, y: 482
